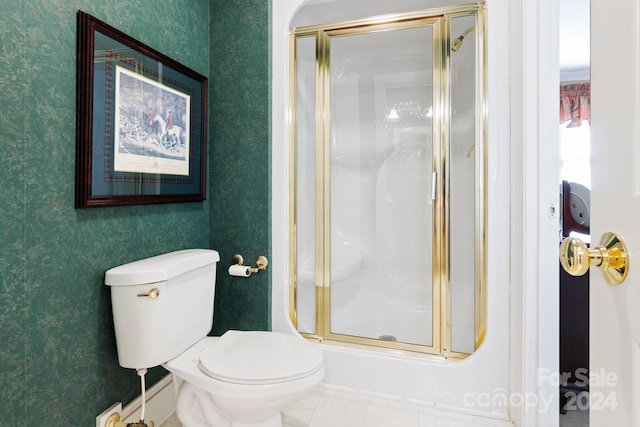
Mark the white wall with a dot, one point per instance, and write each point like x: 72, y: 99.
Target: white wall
x: 535, y: 179
x: 328, y: 11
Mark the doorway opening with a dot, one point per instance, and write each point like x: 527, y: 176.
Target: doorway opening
x: 575, y: 187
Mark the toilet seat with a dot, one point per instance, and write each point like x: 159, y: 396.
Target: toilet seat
x: 259, y: 357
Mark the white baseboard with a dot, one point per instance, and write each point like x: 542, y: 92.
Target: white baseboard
x: 160, y: 403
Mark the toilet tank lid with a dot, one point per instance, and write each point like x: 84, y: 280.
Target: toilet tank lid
x: 160, y: 268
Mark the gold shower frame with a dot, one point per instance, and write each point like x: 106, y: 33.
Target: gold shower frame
x: 440, y: 20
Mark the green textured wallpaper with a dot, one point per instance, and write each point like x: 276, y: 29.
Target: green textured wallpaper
x: 58, y: 362
x: 239, y: 176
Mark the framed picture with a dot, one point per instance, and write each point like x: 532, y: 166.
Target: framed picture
x: 141, y: 122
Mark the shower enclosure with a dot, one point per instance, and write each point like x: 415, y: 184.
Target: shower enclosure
x: 388, y: 183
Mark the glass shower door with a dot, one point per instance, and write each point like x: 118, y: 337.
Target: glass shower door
x: 382, y: 183
x: 388, y: 182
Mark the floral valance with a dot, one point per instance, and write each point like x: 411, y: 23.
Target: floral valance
x: 575, y: 103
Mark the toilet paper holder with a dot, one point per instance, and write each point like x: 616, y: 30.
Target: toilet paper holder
x: 261, y: 263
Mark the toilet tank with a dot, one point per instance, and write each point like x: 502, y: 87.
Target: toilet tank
x: 162, y: 305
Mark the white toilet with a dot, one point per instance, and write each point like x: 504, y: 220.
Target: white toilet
x: 162, y: 313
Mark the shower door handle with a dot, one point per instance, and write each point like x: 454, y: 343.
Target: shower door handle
x: 611, y: 256
x: 434, y: 186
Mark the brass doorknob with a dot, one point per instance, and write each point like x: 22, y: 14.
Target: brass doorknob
x: 611, y: 256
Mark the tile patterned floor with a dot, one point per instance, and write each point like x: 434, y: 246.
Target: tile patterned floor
x: 335, y: 407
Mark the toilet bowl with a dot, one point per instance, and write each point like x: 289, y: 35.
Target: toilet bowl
x: 163, y: 311
x: 247, y: 377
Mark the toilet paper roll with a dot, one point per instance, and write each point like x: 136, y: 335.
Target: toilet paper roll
x: 240, y: 271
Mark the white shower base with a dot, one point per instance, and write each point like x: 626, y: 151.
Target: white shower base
x: 364, y: 306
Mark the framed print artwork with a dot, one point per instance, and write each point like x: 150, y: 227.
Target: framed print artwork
x: 141, y: 122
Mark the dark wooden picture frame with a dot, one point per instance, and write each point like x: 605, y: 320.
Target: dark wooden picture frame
x: 141, y: 122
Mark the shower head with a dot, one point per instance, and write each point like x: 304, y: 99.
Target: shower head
x: 457, y: 43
